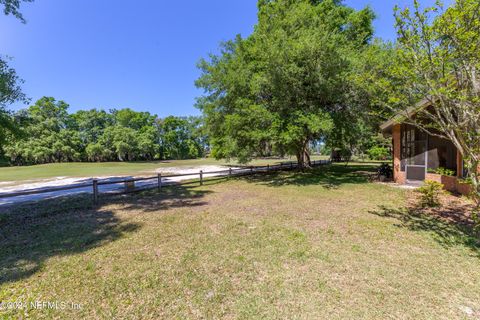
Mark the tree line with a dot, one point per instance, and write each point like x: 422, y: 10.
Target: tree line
x: 48, y: 133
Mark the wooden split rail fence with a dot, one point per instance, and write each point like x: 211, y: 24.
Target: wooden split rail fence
x: 158, y: 181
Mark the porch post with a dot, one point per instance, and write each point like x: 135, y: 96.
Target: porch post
x: 396, y: 153
x: 427, y: 140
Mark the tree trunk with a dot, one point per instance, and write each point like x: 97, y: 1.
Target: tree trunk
x: 303, y: 157
x: 473, y: 167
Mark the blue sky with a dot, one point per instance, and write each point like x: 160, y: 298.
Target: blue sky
x: 140, y: 54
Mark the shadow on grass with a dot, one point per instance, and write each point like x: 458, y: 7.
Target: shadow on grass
x: 329, y: 176
x: 150, y: 200
x: 32, y: 233
x: 450, y: 226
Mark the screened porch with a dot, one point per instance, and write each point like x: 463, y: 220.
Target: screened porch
x: 422, y: 153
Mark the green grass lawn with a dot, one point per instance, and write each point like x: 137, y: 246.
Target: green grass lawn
x: 324, y: 244
x: 85, y: 169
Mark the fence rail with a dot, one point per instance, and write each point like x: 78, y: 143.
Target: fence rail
x: 160, y: 180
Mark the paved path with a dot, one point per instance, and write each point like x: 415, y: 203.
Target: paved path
x: 85, y: 186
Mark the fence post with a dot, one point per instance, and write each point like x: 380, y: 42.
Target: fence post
x: 129, y: 185
x: 95, y: 191
x: 251, y: 169
x: 201, y: 177
x: 268, y: 167
x: 291, y: 165
x: 159, y: 181
x: 230, y: 172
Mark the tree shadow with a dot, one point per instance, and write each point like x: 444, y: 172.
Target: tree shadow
x: 153, y: 200
x: 329, y: 176
x: 32, y: 233
x: 450, y: 226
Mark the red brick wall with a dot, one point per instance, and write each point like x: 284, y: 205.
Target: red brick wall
x: 449, y: 183
x: 463, y: 188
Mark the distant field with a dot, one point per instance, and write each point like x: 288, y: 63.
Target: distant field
x: 87, y: 169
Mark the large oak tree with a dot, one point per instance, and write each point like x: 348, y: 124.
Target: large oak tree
x: 280, y: 88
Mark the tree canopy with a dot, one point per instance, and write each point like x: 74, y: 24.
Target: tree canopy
x: 10, y: 90
x: 13, y: 7
x: 283, y: 86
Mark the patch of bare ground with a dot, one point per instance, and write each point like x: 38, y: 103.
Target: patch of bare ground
x: 453, y: 209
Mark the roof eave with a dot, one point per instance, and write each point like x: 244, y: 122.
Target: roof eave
x: 400, y: 117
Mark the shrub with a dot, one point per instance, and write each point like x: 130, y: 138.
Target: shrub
x: 443, y: 171
x: 430, y: 193
x: 378, y: 153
